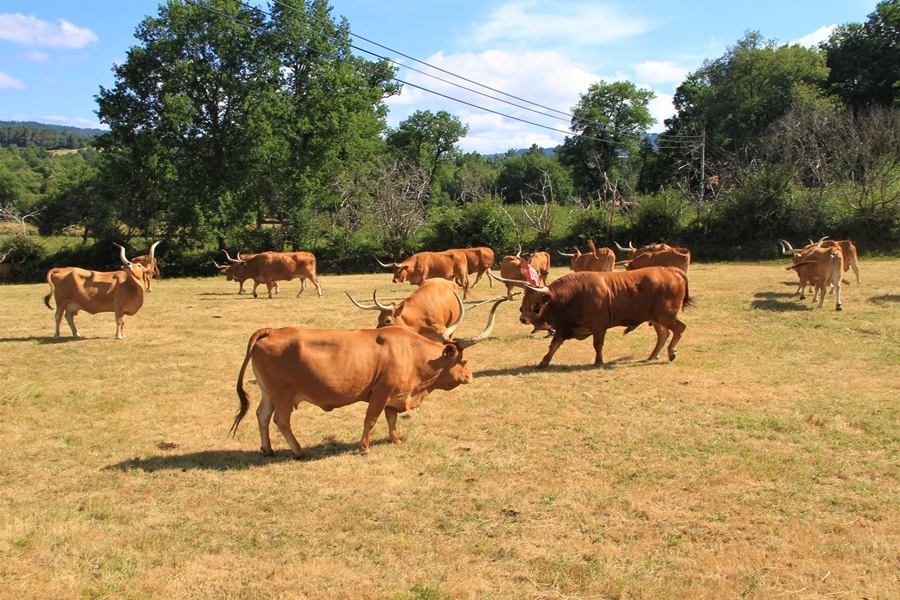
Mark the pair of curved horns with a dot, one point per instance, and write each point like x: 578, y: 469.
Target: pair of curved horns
x: 471, y: 341
x: 389, y: 265
x: 376, y: 306
x: 621, y: 249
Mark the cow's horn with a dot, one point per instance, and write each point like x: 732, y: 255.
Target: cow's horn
x: 218, y: 266
x: 445, y: 335
x: 379, y: 305
x: 566, y: 255
x: 358, y: 305
x: 519, y: 283
x: 465, y: 343
x: 819, y: 243
x: 620, y: 248
x: 122, y: 253
x: 519, y: 253
x: 785, y: 243
x: 153, y: 249
x: 231, y: 260
x: 390, y: 266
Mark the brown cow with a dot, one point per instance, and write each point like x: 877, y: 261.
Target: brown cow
x: 479, y: 261
x: 151, y: 268
x: 428, y: 311
x: 589, y: 303
x: 234, y: 271
x: 661, y: 257
x: 822, y: 268
x: 848, y: 250
x: 541, y: 263
x: 516, y: 267
x: 271, y: 267
x: 74, y: 289
x: 598, y: 259
x: 392, y: 369
x: 432, y: 265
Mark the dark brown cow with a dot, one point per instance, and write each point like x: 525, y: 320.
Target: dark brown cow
x: 588, y: 303
x: 597, y: 260
x: 428, y: 311
x: 271, y: 267
x: 479, y: 261
x: 392, y: 369
x: 74, y: 289
x: 432, y: 265
x: 151, y: 267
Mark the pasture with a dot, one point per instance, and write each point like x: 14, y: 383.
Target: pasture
x: 763, y: 463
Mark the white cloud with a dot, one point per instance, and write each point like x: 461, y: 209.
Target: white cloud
x: 819, y: 35
x: 584, y: 24
x: 653, y: 71
x: 661, y: 108
x: 31, y: 31
x: 38, y: 56
x: 7, y: 82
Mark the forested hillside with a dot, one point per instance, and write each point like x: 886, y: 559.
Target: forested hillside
x: 44, y: 136
x: 227, y: 132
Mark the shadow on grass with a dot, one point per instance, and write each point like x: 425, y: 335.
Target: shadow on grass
x: 885, y: 299
x: 776, y: 302
x: 229, y: 460
x: 623, y: 362
x: 45, y: 339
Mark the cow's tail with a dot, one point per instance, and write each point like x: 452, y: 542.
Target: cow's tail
x: 245, y: 403
x: 52, y: 288
x: 688, y: 300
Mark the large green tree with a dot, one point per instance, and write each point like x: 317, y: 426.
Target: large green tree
x: 609, y: 123
x: 864, y: 59
x: 428, y: 139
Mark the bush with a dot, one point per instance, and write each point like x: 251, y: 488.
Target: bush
x: 480, y: 223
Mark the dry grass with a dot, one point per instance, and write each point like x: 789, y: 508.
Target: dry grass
x: 762, y: 463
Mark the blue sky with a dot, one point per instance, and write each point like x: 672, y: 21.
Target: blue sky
x: 55, y: 54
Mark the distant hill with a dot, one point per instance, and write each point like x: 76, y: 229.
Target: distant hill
x: 47, y: 137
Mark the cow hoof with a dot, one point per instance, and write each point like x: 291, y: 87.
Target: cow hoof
x: 838, y: 307
x: 300, y: 456
x: 267, y: 451
x: 671, y: 357
x: 542, y: 365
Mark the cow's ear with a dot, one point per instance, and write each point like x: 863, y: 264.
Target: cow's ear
x: 450, y: 351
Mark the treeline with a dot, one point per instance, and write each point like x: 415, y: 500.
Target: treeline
x: 234, y: 128
x: 45, y: 137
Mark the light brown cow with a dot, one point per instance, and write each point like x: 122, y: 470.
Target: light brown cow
x: 392, y: 369
x: 271, y: 267
x: 479, y: 261
x: 234, y: 270
x: 151, y: 268
x: 428, y: 311
x: 597, y: 260
x: 655, y: 255
x: 588, y: 303
x: 516, y: 267
x: 74, y: 289
x: 541, y: 263
x: 821, y: 267
x: 422, y: 266
x: 848, y: 250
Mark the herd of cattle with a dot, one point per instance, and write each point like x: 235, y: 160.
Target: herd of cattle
x: 411, y: 351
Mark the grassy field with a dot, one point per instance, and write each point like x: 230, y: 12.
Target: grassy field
x: 763, y: 463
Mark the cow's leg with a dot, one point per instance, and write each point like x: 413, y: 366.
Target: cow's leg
x: 372, y: 413
x: 269, y: 286
x: 390, y: 413
x: 662, y: 334
x: 120, y: 327
x: 490, y: 281
x: 555, y: 343
x: 855, y: 268
x: 302, y: 286
x: 70, y: 312
x: 677, y: 331
x: 837, y: 291
x: 283, y: 421
x: 315, y: 281
x: 60, y: 311
x: 255, y: 284
x: 264, y: 416
x: 599, y: 338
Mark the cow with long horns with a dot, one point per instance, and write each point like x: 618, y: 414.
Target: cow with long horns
x: 598, y: 259
x: 655, y: 255
x: 236, y: 270
x: 74, y: 289
x: 392, y: 369
x: 150, y: 264
x: 271, y: 267
x: 589, y: 303
x: 821, y: 267
x: 428, y: 311
x: 422, y: 266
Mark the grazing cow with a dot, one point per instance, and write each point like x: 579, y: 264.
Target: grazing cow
x: 74, y: 289
x: 10, y: 269
x: 479, y: 261
x: 821, y: 267
x: 432, y: 265
x: 392, y: 369
x: 234, y: 271
x: 598, y: 259
x: 151, y: 268
x: 428, y: 311
x: 589, y: 303
x: 271, y: 267
x: 655, y: 255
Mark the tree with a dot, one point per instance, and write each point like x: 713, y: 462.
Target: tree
x: 609, y: 123
x: 864, y: 60
x: 427, y: 138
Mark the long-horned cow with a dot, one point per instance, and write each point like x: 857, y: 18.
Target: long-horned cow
x: 822, y: 268
x: 235, y: 270
x: 517, y: 268
x: 428, y: 311
x: 422, y: 266
x: 655, y: 255
x: 598, y: 259
x: 848, y: 251
x: 479, y: 261
x: 151, y: 267
x: 271, y: 267
x: 74, y: 289
x: 588, y: 303
x: 392, y: 369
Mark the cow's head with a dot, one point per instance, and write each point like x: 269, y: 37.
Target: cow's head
x: 401, y: 270
x: 388, y: 313
x: 136, y: 270
x: 534, y: 301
